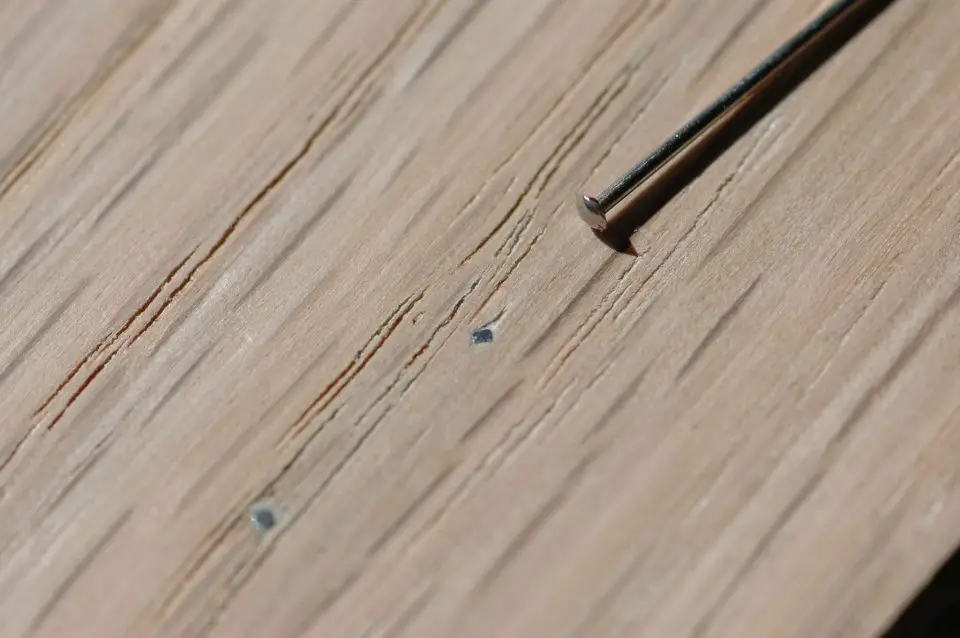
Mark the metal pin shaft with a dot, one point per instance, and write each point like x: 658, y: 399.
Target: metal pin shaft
x: 594, y: 210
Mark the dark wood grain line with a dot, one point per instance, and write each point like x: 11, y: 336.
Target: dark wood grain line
x: 458, y: 27
x: 90, y: 157
x: 106, y: 387
x: 502, y: 65
x: 25, y: 258
x: 617, y: 405
x: 272, y: 184
x: 287, y: 394
x: 217, y: 466
x: 601, y: 273
x: 24, y: 351
x: 580, y: 129
x: 410, y: 614
x: 601, y: 608
x: 809, y: 140
x: 717, y: 329
x: 128, y: 187
x: 44, y: 613
x: 948, y: 166
x: 280, y: 176
x: 367, y: 98
x: 909, y: 352
x: 297, y: 241
x: 759, y: 550
x: 219, y: 20
x: 409, y: 511
x: 26, y: 31
x: 82, y: 471
x: 108, y: 345
x: 201, y: 100
x: 325, y: 36
x: 356, y: 365
x: 494, y: 409
x: 177, y: 385
x: 326, y: 603
x: 425, y: 347
x: 213, y: 540
x: 537, y: 522
x: 344, y: 379
x: 732, y: 36
x: 631, y: 113
x: 172, y: 329
x: 129, y: 41
x: 26, y: 146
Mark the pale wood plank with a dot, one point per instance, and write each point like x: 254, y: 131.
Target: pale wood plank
x: 242, y: 248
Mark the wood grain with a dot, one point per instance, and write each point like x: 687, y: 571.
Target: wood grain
x: 243, y: 246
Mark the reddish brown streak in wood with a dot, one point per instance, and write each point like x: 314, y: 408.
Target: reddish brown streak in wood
x: 32, y: 155
x: 574, y: 301
x: 211, y: 541
x: 337, y: 470
x: 336, y: 387
x: 541, y: 170
x: 559, y: 148
x: 273, y: 183
x: 403, y: 371
x: 122, y: 52
x: 580, y: 129
x: 426, y: 346
x: 512, y: 268
x: 104, y: 345
x: 585, y: 329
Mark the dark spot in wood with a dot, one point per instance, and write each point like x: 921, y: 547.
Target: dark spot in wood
x: 263, y: 517
x: 481, y: 336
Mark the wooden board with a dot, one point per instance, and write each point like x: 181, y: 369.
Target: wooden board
x: 243, y: 247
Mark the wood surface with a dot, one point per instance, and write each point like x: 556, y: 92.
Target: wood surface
x: 243, y: 247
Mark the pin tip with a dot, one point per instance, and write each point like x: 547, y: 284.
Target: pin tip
x: 591, y: 212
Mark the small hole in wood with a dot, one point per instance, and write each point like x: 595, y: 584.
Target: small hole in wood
x: 263, y: 518
x: 481, y: 336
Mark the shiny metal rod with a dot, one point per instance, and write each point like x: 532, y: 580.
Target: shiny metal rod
x: 594, y: 210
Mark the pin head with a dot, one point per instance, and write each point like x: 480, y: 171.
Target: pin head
x: 592, y: 212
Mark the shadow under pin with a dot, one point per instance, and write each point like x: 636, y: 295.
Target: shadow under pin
x: 648, y: 186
